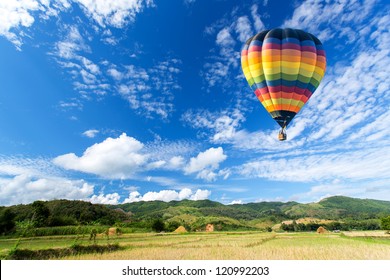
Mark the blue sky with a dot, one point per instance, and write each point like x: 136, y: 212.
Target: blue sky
x: 122, y: 101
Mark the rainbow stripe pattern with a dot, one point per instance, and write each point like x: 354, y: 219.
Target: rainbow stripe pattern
x: 283, y: 67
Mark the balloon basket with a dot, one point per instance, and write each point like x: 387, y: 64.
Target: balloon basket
x: 282, y: 135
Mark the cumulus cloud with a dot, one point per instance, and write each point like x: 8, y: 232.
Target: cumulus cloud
x: 14, y: 14
x: 24, y: 180
x: 236, y: 201
x: 27, y: 188
x: 205, y: 163
x: 168, y: 195
x: 113, y: 158
x: 111, y: 198
x: 209, y: 158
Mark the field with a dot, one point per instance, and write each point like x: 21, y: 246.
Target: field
x: 368, y: 245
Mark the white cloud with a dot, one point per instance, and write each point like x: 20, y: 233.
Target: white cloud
x: 18, y: 15
x: 70, y: 53
x: 221, y: 70
x: 237, y: 201
x: 172, y: 152
x: 373, y: 190
x: 368, y: 164
x: 15, y: 14
x: 91, y: 133
x: 24, y: 180
x: 243, y: 29
x: 223, y: 125
x: 168, y: 195
x: 156, y: 164
x: 224, y: 38
x: 258, y: 23
x: 26, y: 189
x: 113, y: 158
x: 115, y: 74
x: 207, y: 175
x: 150, y: 91
x: 90, y: 66
x: 205, y: 163
x: 111, y: 198
x: 72, y: 44
x: 200, y: 195
x: 210, y: 158
x: 176, y: 162
x: 114, y: 13
x: 125, y: 157
x: 324, y: 18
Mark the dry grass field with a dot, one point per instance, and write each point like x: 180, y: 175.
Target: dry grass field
x: 368, y: 245
x: 250, y: 246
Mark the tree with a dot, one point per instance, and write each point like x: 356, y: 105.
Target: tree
x: 41, y: 214
x: 6, y: 221
x: 385, y: 224
x: 158, y: 225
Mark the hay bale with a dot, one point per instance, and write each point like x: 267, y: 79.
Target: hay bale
x: 112, y: 231
x: 321, y: 230
x: 180, y: 229
x: 209, y: 228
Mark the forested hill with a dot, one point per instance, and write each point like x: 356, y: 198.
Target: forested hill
x: 336, y: 207
x: 193, y: 214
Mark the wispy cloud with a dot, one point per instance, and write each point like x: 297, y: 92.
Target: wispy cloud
x: 223, y: 125
x: 114, y: 13
x: 72, y: 50
x: 149, y: 91
x: 230, y: 32
x: 18, y: 15
x: 332, y: 19
x: 91, y: 133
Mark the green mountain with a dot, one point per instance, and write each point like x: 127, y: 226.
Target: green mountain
x: 195, y: 215
x: 336, y: 207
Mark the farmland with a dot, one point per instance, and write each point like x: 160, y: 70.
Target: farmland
x: 357, y: 245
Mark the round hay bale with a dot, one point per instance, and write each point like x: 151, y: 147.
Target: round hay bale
x: 321, y: 230
x: 181, y: 229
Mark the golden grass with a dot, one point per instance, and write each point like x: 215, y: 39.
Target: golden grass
x: 246, y: 246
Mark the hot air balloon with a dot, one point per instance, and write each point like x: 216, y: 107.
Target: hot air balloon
x: 283, y: 67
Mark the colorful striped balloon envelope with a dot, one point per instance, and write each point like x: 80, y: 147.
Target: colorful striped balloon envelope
x: 283, y: 67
